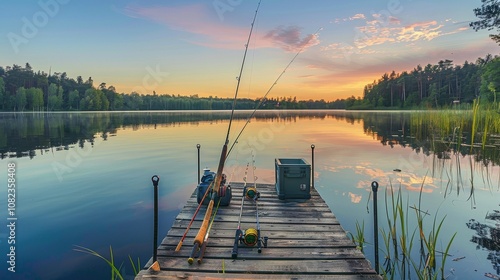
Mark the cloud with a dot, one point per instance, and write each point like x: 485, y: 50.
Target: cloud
x: 289, y: 38
x: 196, y: 19
x: 357, y: 16
x: 394, y: 20
x: 209, y: 31
x: 351, y: 18
x: 419, y: 31
x: 380, y: 29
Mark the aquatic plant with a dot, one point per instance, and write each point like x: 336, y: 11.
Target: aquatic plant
x: 470, y: 130
x: 403, y: 258
x: 116, y: 272
x: 359, y: 238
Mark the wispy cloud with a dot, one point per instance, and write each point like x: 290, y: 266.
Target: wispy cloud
x: 195, y: 19
x: 357, y: 16
x: 380, y: 29
x: 289, y: 38
x: 419, y: 31
x: 198, y: 19
x: 351, y: 18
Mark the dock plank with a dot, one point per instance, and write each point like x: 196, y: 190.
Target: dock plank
x: 305, y: 241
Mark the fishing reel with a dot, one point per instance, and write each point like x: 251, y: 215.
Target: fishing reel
x: 251, y: 193
x: 251, y: 237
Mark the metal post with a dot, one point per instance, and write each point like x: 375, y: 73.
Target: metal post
x: 199, y: 178
x: 375, y: 223
x: 155, y: 180
x: 312, y: 166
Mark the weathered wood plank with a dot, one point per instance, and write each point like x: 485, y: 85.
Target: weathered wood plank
x: 190, y: 275
x: 345, y: 266
x: 279, y: 220
x: 272, y: 234
x: 266, y: 226
x: 271, y: 253
x: 274, y: 243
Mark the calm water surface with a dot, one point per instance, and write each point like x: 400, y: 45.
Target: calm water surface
x: 85, y: 179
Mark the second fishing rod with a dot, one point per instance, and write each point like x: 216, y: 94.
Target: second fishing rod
x: 251, y: 236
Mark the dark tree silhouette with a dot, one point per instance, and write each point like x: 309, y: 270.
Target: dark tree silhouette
x: 489, y: 18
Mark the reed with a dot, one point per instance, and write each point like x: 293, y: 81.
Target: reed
x: 466, y: 130
x: 359, y: 238
x: 403, y: 259
x: 115, y: 271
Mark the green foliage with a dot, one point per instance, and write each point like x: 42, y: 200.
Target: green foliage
x: 55, y: 101
x: 488, y: 15
x: 74, y: 100
x: 490, y: 80
x: 2, y: 93
x: 359, y: 238
x: 21, y: 99
x: 433, y: 86
x: 34, y: 98
x: 63, y: 93
x: 403, y: 259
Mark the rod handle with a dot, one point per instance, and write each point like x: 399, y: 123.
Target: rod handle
x: 195, y: 250
x: 259, y: 242
x: 234, y: 253
x: 178, y: 248
x: 202, y: 252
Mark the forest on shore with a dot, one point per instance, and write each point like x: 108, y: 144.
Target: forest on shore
x: 432, y: 86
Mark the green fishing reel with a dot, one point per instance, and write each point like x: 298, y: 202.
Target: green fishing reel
x: 250, y: 237
x: 251, y: 193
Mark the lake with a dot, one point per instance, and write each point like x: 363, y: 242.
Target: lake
x: 84, y: 179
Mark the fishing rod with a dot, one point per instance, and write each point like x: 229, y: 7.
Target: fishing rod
x: 239, y: 233
x: 251, y: 236
x: 201, y: 253
x: 267, y: 93
x: 179, y: 245
x: 203, y: 248
x: 256, y: 197
x: 198, y: 240
x: 241, y: 72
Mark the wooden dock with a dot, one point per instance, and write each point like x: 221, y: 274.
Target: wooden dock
x: 305, y: 241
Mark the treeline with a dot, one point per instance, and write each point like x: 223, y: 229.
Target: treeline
x: 433, y: 86
x: 22, y: 89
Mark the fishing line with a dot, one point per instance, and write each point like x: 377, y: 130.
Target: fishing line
x: 239, y: 76
x: 268, y: 91
x: 201, y: 236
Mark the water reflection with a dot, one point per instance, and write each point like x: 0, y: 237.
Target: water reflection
x: 355, y: 147
x: 24, y: 133
x: 487, y: 236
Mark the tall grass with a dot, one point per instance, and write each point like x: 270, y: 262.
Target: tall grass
x: 359, y: 238
x: 116, y: 272
x: 409, y: 252
x: 470, y: 130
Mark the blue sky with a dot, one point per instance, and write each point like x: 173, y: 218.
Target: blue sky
x: 196, y: 47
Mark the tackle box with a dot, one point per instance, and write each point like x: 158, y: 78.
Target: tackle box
x: 293, y: 178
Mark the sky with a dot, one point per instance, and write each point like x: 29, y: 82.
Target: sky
x: 189, y: 47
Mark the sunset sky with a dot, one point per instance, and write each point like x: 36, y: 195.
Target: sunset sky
x: 196, y: 47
